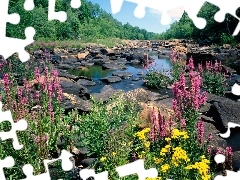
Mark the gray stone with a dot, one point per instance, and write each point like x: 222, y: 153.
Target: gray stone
x: 85, y: 82
x: 111, y: 79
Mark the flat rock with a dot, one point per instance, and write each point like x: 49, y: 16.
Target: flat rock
x: 111, y: 79
x: 121, y: 74
x: 86, y: 82
x: 106, y: 95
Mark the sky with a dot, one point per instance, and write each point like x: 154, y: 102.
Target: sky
x: 151, y: 20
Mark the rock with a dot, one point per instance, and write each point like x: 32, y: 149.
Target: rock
x: 62, y: 73
x: 111, y: 79
x: 135, y: 61
x: 228, y: 111
x: 87, y: 162
x: 74, y: 88
x: 112, y: 66
x: 79, y: 155
x: 107, y: 88
x: 98, y: 62
x: 71, y: 102
x: 121, y: 74
x: 135, y: 79
x: 82, y: 55
x: 205, y: 108
x: 107, y: 51
x: 85, y: 82
x: 87, y: 64
x: 139, y: 94
x: 106, y: 94
x: 64, y: 66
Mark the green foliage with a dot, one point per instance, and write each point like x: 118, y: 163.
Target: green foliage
x: 214, y: 79
x: 216, y: 33
x: 154, y: 78
x: 89, y: 22
x: 105, y: 118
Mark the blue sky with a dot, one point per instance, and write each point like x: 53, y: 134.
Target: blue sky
x: 150, y: 22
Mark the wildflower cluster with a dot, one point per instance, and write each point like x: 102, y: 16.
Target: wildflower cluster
x: 38, y: 101
x: 178, y: 155
x: 202, y: 167
x: 213, y: 77
x: 178, y: 134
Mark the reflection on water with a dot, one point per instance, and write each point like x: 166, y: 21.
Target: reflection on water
x: 96, y: 73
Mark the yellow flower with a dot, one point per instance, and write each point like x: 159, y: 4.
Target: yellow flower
x: 165, y: 167
x: 141, y: 134
x: 179, y: 155
x: 167, y: 139
x: 103, y: 159
x: 136, y: 148
x: 114, y: 153
x: 140, y: 156
x: 147, y: 144
x: 157, y: 160
x: 156, y: 178
x: 165, y: 150
x: 177, y: 134
x: 202, y: 167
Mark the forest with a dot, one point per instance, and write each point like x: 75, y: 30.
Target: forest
x: 214, y: 32
x: 91, y: 22
x: 88, y: 22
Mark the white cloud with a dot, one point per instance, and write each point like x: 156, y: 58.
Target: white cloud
x: 175, y: 14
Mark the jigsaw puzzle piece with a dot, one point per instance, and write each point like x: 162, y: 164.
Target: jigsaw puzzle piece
x: 67, y: 165
x: 192, y: 8
x: 220, y: 158
x: 160, y: 5
x: 13, y: 45
x: 137, y: 167
x: 21, y: 125
x: 8, y: 162
x: 61, y: 15
x: 236, y: 87
x: 29, y: 5
x: 227, y: 7
x: 11, y: 18
x: 87, y: 173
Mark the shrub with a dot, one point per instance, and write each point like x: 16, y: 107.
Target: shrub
x: 213, y: 78
x: 155, y: 78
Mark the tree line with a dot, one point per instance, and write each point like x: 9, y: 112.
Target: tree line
x: 214, y: 32
x: 87, y: 22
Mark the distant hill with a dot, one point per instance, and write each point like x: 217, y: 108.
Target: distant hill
x: 88, y: 22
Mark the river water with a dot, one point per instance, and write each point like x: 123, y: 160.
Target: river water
x: 96, y: 73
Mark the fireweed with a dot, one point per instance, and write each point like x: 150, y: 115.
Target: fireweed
x: 40, y: 106
x: 175, y: 148
x: 177, y: 68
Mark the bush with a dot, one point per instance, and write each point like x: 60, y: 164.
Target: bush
x: 213, y: 78
x: 155, y: 78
